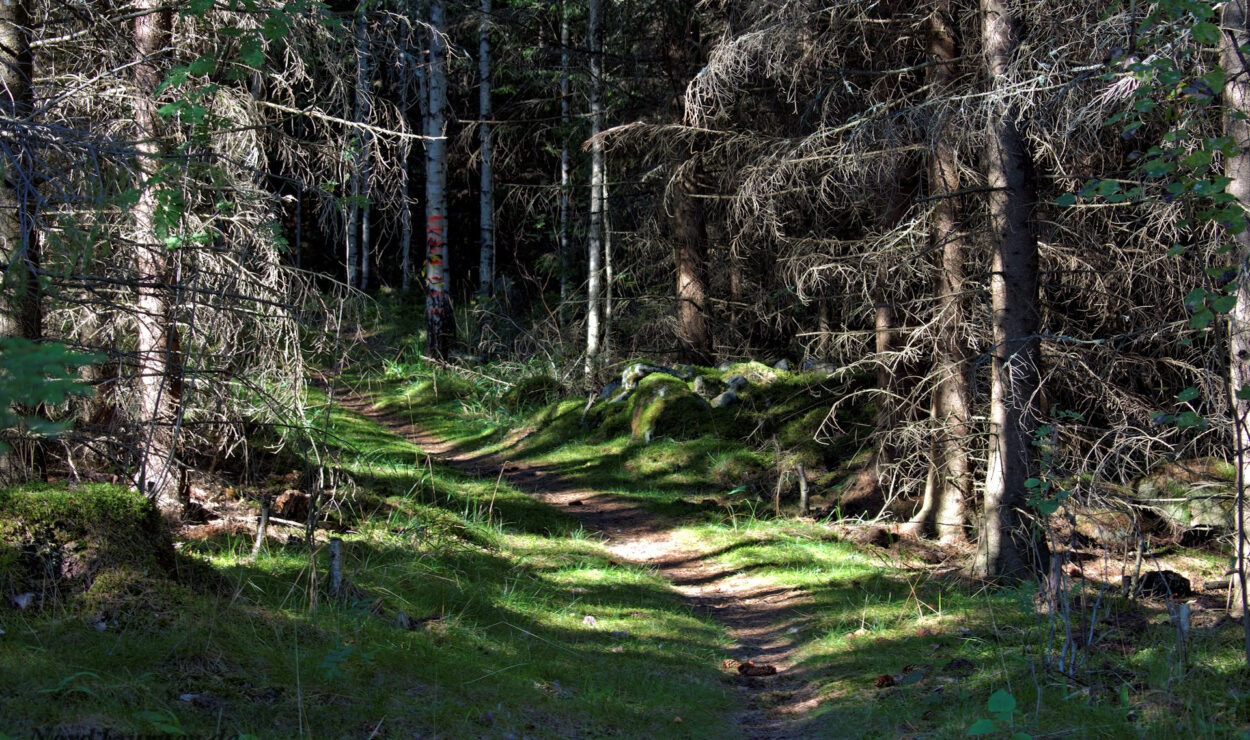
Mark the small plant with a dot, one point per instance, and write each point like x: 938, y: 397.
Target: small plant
x: 1002, y: 709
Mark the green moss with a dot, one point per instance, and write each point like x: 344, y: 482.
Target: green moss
x: 55, y: 541
x: 533, y: 392
x: 437, y: 389
x: 662, y: 405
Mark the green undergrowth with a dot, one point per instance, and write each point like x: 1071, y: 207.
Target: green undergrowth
x: 889, y: 647
x: 469, y: 611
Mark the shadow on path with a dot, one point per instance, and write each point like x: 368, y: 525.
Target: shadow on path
x: 765, y: 621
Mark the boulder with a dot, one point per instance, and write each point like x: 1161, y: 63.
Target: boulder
x: 737, y: 383
x: 707, y: 387
x: 292, y: 504
x: 728, y: 398
x: 782, y: 365
x: 664, y: 406
x: 1190, y: 494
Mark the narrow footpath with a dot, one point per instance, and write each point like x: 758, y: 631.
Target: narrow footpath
x: 765, y: 622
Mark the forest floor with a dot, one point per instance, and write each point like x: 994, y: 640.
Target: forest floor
x: 763, y: 618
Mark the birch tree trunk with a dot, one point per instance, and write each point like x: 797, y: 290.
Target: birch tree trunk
x: 594, y: 237
x: 486, y: 263
x: 156, y: 345
x: 949, y: 483
x: 1236, y: 22
x: 1004, y: 542
x: 439, y: 322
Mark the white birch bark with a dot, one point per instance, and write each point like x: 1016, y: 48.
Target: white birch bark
x: 438, y: 318
x: 594, y: 240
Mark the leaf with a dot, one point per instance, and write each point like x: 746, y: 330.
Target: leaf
x: 252, y: 52
x: 1067, y: 199
x: 1201, y: 319
x: 1001, y: 702
x: 1047, y: 507
x: 1206, y: 33
x: 1224, y: 304
x: 1189, y: 394
x: 983, y: 727
x: 1188, y: 420
x: 1243, y: 393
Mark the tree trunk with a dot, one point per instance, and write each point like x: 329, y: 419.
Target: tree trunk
x: 21, y: 295
x: 439, y: 322
x: 21, y: 315
x: 156, y: 344
x: 594, y: 240
x: 358, y: 237
x: 949, y: 482
x: 1236, y: 23
x: 486, y: 263
x: 690, y: 258
x: 565, y: 169
x: 1005, y: 544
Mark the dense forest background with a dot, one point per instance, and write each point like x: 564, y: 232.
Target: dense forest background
x: 1019, y: 226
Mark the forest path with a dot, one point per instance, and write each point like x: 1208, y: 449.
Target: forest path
x: 766, y: 621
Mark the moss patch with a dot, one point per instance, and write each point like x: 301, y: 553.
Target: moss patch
x: 56, y: 542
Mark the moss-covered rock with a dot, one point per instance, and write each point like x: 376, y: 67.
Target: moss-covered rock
x: 533, y: 392
x: 1190, y: 494
x: 663, y: 405
x: 57, y: 543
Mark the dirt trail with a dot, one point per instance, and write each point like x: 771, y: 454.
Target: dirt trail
x: 765, y: 621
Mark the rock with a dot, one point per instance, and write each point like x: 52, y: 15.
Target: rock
x: 663, y: 406
x: 1162, y: 584
x: 1107, y: 527
x: 812, y: 365
x: 728, y: 398
x: 706, y: 387
x: 1190, y: 494
x: 609, y: 389
x: 737, y: 383
x: 782, y: 365
x: 292, y: 504
x: 639, y: 370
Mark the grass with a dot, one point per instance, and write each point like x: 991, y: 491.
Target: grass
x: 474, y: 611
x: 878, y: 613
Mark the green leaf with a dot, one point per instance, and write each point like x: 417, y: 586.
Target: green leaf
x: 1206, y: 33
x: 1047, y: 507
x: 983, y: 727
x: 1001, y: 702
x: 1243, y: 393
x: 1188, y: 420
x: 203, y: 65
x: 1067, y: 199
x: 1224, y: 304
x: 197, y: 7
x: 252, y: 52
x: 1189, y: 394
x: 1201, y: 319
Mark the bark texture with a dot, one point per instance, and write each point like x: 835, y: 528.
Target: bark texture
x: 1236, y: 22
x: 157, y: 337
x: 949, y: 483
x: 1003, y: 549
x: 440, y: 326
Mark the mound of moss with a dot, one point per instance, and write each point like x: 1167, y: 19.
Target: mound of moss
x: 60, y: 544
x: 664, y: 406
x: 532, y: 393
